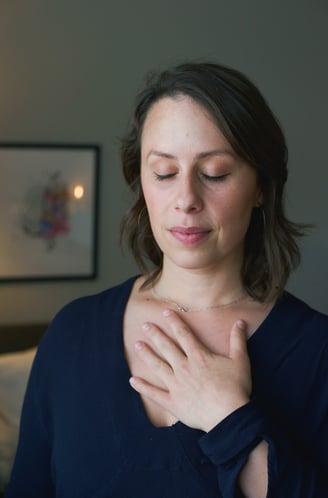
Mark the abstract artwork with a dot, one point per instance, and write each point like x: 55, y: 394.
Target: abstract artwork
x: 48, y: 211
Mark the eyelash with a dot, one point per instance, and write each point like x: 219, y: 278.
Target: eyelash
x: 160, y: 178
x: 219, y: 178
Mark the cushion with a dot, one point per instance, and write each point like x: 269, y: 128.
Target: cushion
x: 14, y: 373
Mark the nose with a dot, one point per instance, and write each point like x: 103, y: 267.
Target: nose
x: 188, y: 197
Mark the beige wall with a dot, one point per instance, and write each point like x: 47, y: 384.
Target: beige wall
x: 70, y: 69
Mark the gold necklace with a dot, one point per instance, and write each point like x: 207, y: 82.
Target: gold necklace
x: 188, y: 309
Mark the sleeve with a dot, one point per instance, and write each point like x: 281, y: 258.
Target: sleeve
x: 289, y: 410
x: 31, y: 473
x: 291, y: 474
x: 35, y: 469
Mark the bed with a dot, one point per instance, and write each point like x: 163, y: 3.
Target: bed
x: 17, y: 349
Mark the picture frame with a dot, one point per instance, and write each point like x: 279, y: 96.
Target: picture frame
x: 49, y: 211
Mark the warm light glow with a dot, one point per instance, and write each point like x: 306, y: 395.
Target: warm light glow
x: 78, y: 192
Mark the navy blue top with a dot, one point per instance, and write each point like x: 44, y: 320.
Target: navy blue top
x: 85, y: 434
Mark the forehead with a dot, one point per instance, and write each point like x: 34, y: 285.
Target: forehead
x: 180, y: 116
x: 169, y: 106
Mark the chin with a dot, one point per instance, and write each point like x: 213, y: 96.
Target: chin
x: 193, y: 263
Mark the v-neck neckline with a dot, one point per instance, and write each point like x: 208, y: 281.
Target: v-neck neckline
x: 134, y: 398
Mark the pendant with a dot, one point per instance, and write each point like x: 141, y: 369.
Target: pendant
x: 181, y: 308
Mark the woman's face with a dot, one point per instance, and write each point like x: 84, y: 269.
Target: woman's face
x: 198, y: 193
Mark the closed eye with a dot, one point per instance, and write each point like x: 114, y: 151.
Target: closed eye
x: 216, y: 178
x: 163, y: 177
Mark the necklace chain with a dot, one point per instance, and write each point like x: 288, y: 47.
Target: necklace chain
x: 188, y: 309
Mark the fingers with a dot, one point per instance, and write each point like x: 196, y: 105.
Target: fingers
x: 185, y: 378
x: 157, y: 364
x: 238, y: 340
x: 183, y: 334
x: 188, y: 343
x: 156, y: 394
x: 163, y: 343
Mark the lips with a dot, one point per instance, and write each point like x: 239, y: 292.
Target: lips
x: 189, y: 235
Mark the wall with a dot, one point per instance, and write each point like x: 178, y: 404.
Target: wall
x: 70, y: 70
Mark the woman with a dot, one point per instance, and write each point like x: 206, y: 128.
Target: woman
x: 228, y: 371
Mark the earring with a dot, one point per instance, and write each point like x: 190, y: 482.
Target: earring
x: 263, y: 217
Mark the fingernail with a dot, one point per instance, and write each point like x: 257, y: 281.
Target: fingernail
x: 167, y: 312
x: 241, y: 324
x: 132, y: 381
x: 138, y: 345
x: 146, y: 326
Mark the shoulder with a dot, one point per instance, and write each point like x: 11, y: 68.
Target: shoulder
x: 293, y: 311
x: 290, y: 367
x: 308, y: 331
x: 87, y: 306
x: 293, y: 333
x: 290, y: 312
x: 87, y: 316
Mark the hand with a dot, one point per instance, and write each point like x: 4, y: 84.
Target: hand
x: 201, y: 387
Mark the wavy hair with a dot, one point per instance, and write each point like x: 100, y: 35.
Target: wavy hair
x: 248, y: 124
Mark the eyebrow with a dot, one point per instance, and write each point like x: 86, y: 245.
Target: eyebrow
x: 201, y: 155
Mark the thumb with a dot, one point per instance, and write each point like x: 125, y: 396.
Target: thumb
x: 238, y: 340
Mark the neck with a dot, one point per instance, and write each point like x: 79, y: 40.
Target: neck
x: 201, y: 289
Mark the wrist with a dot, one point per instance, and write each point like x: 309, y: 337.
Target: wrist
x: 224, y: 412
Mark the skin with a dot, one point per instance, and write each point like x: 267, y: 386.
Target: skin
x: 191, y: 177
x: 199, y: 197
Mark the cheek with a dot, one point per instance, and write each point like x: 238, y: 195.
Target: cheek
x: 153, y: 205
x: 156, y: 221
x: 235, y: 207
x: 147, y: 193
x: 243, y: 197
x: 155, y: 199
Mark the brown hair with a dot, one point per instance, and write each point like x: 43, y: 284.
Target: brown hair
x: 247, y: 122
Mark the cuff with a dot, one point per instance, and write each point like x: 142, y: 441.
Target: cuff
x: 230, y: 442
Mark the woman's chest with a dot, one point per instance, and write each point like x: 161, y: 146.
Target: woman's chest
x: 149, y: 362
x: 104, y: 446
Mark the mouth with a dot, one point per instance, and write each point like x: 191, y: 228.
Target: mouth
x: 190, y: 235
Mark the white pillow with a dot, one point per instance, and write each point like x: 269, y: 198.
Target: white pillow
x: 14, y: 373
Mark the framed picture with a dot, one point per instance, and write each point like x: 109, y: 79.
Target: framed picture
x: 49, y: 211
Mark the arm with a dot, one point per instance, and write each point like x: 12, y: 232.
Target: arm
x: 292, y: 474
x: 31, y: 470
x: 253, y: 478
x: 212, y: 393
